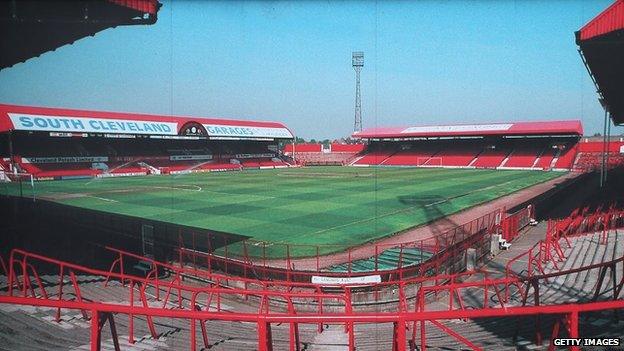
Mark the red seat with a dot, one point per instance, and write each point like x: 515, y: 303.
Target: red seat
x: 490, y: 158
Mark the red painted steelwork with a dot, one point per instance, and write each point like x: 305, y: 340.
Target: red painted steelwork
x: 264, y: 320
x: 442, y: 247
x: 144, y: 6
x: 609, y: 20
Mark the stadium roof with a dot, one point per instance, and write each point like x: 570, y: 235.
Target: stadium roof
x: 57, y: 120
x: 31, y: 28
x: 601, y: 43
x: 573, y: 127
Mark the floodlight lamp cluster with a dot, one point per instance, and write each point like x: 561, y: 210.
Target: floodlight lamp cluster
x: 358, y: 59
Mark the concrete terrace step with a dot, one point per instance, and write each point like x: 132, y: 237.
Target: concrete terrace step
x: 27, y: 331
x: 30, y: 328
x: 333, y: 338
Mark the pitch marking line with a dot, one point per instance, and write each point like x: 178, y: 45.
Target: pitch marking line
x: 410, y: 208
x: 101, y: 198
x: 377, y: 217
x: 190, y: 187
x: 325, y: 175
x: 198, y: 188
x: 245, y: 195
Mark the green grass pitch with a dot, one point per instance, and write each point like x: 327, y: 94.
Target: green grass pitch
x: 319, y: 205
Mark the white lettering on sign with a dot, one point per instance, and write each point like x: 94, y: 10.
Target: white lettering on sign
x: 366, y: 279
x: 586, y: 342
x: 189, y: 157
x: 220, y: 130
x: 458, y: 128
x: 254, y: 155
x: 65, y: 159
x: 91, y: 125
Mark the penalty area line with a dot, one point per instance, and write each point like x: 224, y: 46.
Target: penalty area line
x: 193, y: 188
x: 101, y: 198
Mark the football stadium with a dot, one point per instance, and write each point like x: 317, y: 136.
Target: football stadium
x: 143, y: 231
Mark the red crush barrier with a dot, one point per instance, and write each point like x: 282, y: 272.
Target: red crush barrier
x: 580, y: 222
x: 25, y: 286
x: 264, y: 321
x: 255, y: 263
x: 513, y: 223
x: 188, y: 298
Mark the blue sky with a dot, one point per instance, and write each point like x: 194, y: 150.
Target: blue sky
x: 426, y: 62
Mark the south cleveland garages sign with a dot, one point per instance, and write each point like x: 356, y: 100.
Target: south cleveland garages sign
x: 146, y: 125
x: 90, y: 125
x: 244, y: 131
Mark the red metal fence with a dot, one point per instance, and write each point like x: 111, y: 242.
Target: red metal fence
x: 294, y: 303
x: 513, y: 223
x: 102, y: 312
x: 317, y: 307
x: 580, y: 222
x: 256, y: 262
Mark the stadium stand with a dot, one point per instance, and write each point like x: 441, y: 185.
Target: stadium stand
x: 33, y: 28
x: 523, y: 145
x: 406, y: 155
x: 524, y: 157
x: 304, y: 147
x: 590, y: 154
x: 588, y: 161
x: 545, y: 158
x: 346, y: 148
x: 5, y: 165
x: 60, y: 143
x: 451, y: 155
x: 601, y: 45
x: 560, y: 278
x: 491, y: 157
x: 317, y: 155
x: 527, y: 154
x: 564, y: 158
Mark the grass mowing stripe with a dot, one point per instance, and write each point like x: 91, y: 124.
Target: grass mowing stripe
x: 320, y: 205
